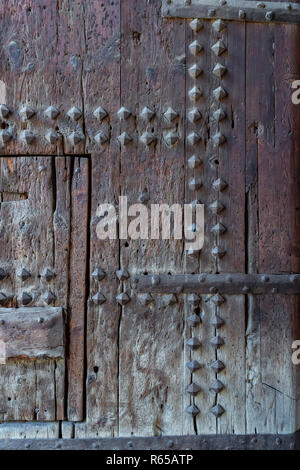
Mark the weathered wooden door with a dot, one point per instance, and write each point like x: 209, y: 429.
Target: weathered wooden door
x: 164, y: 102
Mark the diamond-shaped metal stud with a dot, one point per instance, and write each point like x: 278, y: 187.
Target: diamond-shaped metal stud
x: 48, y: 274
x: 195, y: 47
x: 217, y: 410
x: 269, y: 15
x: 217, y: 386
x: 194, y: 161
x: 193, y: 365
x: 216, y: 207
x: 196, y: 25
x: 146, y: 299
x: 147, y: 114
x: 170, y: 114
x: 193, y: 320
x: 193, y: 389
x: 101, y: 137
x: 5, y: 136
x: 171, y: 299
x: 195, y: 184
x: 122, y: 274
x: 194, y: 115
x: 4, y: 111
x: 74, y: 113
x: 3, y: 298
x: 76, y: 137
x: 23, y: 274
x: 217, y: 321
x: 218, y: 252
x: 27, y: 137
x: 25, y: 298
x: 217, y: 366
x: 219, y: 25
x: 123, y: 298
x: 218, y: 229
x: 98, y: 274
x: 124, y: 138
x: 100, y: 113
x: 147, y: 138
x: 193, y: 343
x: 52, y: 137
x: 3, y: 274
x: 194, y: 71
x: 98, y: 299
x: 193, y: 138
x: 218, y: 48
x: 49, y: 297
x: 195, y: 93
x: 123, y: 113
x: 193, y: 410
x: 27, y: 112
x: 219, y: 70
x: 219, y: 115
x: 219, y: 93
x: 171, y: 138
x: 218, y: 139
x: 52, y: 112
x: 217, y: 299
x: 217, y: 341
x: 219, y: 184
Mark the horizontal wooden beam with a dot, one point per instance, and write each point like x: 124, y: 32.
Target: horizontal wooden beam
x: 223, y: 283
x: 236, y: 10
x: 183, y: 443
x: 31, y: 333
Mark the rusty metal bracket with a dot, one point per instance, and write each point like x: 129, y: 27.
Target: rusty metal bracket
x: 224, y: 283
x: 185, y: 443
x: 237, y: 10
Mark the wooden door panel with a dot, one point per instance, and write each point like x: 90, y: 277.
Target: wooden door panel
x: 41, y: 233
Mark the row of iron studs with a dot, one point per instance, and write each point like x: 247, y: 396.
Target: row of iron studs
x: 194, y: 162
x: 26, y: 298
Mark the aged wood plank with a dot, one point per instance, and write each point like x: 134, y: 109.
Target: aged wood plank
x: 153, y: 66
x: 77, y: 285
x: 32, y: 332
x: 260, y: 400
x: 102, y: 26
x: 29, y: 430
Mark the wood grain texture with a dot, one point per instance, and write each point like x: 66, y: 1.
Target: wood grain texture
x: 32, y: 332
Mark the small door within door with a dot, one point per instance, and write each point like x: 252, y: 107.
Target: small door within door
x: 40, y: 198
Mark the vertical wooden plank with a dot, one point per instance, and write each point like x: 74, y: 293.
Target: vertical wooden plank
x: 260, y: 400
x: 102, y: 30
x: 77, y: 285
x: 151, y: 341
x: 279, y: 234
x: 204, y: 262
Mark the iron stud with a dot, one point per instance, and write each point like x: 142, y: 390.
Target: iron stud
x: 123, y: 298
x: 52, y: 112
x: 193, y: 365
x: 27, y: 112
x: 170, y: 114
x: 124, y: 138
x: 74, y: 113
x: 217, y: 410
x: 123, y: 113
x: 122, y: 274
x: 193, y: 389
x: 101, y: 138
x: 100, y: 113
x: 193, y: 410
x: 218, y: 48
x: 147, y: 114
x: 23, y: 274
x: 99, y: 298
x: 193, y: 343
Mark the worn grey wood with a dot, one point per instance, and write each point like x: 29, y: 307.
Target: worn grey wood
x: 32, y: 333
x: 21, y: 430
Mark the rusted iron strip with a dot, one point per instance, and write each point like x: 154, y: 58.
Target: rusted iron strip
x: 186, y: 443
x: 237, y: 10
x: 224, y: 283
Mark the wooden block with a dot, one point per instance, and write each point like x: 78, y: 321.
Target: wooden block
x: 32, y: 333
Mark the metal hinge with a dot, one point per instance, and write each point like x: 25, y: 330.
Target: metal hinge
x: 237, y: 10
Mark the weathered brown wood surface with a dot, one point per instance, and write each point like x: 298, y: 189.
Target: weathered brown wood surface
x: 32, y: 333
x: 126, y: 365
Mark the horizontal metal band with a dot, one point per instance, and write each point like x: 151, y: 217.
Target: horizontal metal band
x: 238, y: 10
x: 223, y: 283
x: 204, y: 442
